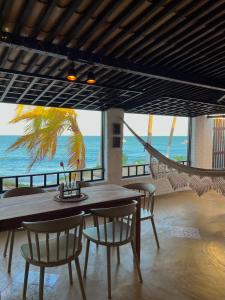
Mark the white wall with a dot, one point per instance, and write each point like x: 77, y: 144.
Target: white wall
x: 113, y: 156
x: 202, y: 142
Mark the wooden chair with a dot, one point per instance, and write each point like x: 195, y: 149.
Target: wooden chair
x: 148, y: 203
x: 11, y: 234
x: 53, y: 243
x: 114, y: 227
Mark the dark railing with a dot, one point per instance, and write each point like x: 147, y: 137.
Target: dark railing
x: 135, y: 170
x: 142, y: 169
x: 52, y: 179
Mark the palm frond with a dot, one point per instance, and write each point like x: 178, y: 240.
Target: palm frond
x: 43, y: 126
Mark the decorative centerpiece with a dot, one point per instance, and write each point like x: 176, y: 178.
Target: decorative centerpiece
x: 70, y: 191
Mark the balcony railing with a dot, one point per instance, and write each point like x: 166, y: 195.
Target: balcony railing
x: 141, y: 170
x: 52, y: 179
x: 135, y: 170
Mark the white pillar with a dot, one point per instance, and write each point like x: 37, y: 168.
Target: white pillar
x: 113, y: 155
x: 202, y: 142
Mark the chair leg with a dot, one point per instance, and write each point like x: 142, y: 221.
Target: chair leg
x: 84, y: 223
x: 155, y: 233
x: 41, y: 283
x: 136, y: 261
x: 27, y: 265
x: 86, y: 258
x: 11, y: 250
x: 118, y: 254
x: 6, y: 243
x: 70, y: 272
x: 109, y: 271
x: 77, y: 263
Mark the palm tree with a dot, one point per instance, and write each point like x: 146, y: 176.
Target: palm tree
x: 150, y: 126
x: 43, y: 127
x: 171, y: 136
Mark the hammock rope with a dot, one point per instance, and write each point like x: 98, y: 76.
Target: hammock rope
x: 198, y: 179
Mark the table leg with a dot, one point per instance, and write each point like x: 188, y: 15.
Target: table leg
x: 138, y: 229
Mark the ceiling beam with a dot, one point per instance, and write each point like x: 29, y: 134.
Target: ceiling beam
x: 63, y: 90
x: 125, y: 65
x: 73, y: 96
x: 44, y: 91
x: 8, y: 87
x: 27, y: 89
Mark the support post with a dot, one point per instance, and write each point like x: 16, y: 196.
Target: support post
x: 202, y: 142
x: 113, y: 154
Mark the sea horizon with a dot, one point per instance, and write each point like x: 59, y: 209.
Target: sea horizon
x: 16, y: 162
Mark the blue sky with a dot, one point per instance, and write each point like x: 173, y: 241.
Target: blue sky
x: 89, y: 123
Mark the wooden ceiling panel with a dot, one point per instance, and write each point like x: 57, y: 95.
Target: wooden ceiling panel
x: 157, y: 56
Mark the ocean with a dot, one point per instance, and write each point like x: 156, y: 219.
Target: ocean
x: 16, y: 162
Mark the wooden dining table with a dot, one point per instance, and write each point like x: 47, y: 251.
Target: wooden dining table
x: 40, y: 207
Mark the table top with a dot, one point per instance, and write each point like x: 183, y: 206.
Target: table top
x: 14, y: 210
x: 148, y: 187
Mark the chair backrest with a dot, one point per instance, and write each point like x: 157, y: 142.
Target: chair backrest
x: 148, y: 201
x: 22, y: 191
x: 115, y: 224
x: 61, y: 237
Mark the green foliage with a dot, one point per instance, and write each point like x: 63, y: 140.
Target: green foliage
x: 179, y: 158
x: 43, y: 127
x: 124, y: 159
x: 139, y: 161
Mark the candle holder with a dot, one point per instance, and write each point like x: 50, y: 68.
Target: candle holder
x: 72, y: 193
x: 72, y: 190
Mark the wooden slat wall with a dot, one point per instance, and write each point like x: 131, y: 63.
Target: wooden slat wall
x: 219, y: 143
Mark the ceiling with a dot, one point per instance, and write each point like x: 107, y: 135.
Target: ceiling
x: 160, y: 57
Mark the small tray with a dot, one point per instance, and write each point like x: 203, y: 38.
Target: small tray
x: 82, y: 197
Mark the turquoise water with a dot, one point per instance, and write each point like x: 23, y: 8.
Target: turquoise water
x: 16, y: 162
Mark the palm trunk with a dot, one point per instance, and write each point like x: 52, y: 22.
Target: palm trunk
x: 171, y: 136
x: 150, y: 126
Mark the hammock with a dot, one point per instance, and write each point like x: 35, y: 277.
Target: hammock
x: 178, y: 174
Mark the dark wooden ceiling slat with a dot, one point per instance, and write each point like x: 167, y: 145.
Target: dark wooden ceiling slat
x: 68, y: 12
x: 4, y: 12
x: 44, y: 17
x: 185, y: 29
x: 32, y: 62
x: 24, y: 15
x: 197, y: 40
x: 4, y: 56
x: 170, y: 8
x: 87, y: 15
x: 18, y: 60
x: 211, y: 64
x: 168, y: 26
x: 116, y: 23
x: 99, y: 22
x: 211, y: 58
x: 181, y: 43
x: 200, y: 52
x: 47, y: 60
x: 131, y: 26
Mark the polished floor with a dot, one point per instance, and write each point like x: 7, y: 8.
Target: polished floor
x: 189, y: 265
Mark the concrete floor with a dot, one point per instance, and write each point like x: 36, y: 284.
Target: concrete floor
x: 189, y: 265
